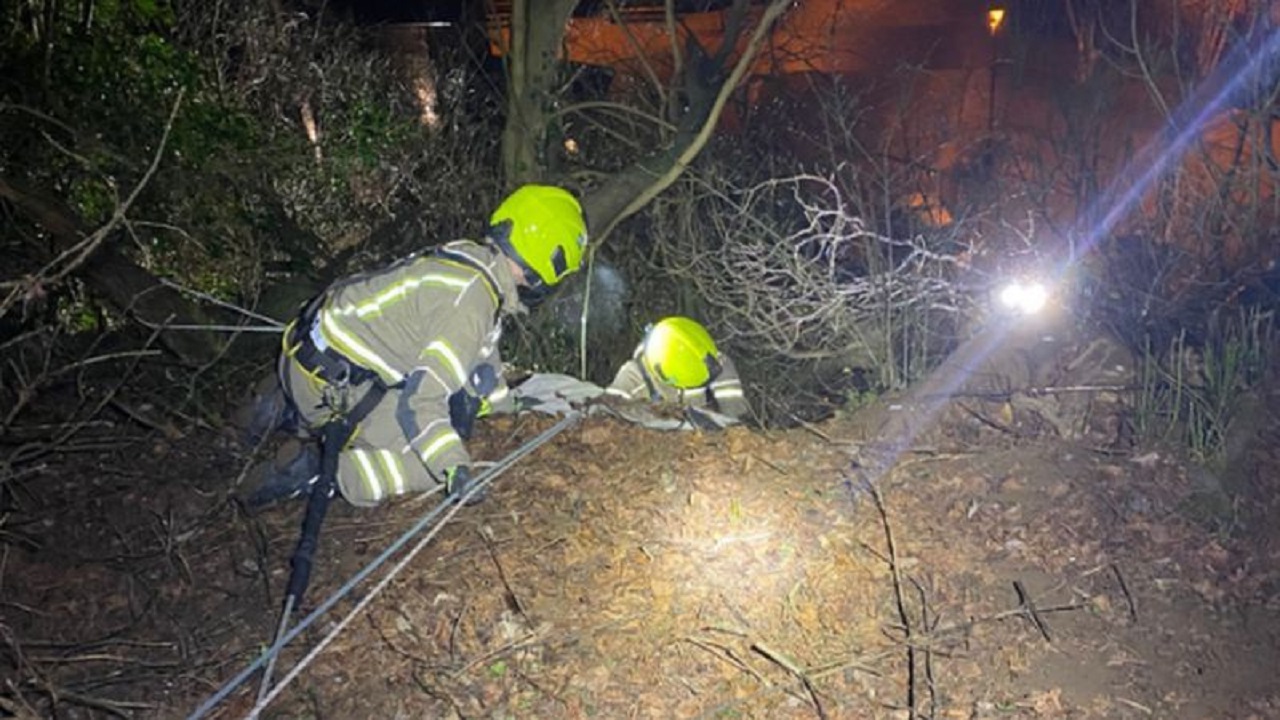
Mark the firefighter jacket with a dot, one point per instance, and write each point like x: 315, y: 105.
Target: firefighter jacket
x: 425, y: 326
x: 723, y: 394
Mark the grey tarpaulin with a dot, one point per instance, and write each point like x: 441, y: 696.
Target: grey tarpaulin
x: 555, y: 394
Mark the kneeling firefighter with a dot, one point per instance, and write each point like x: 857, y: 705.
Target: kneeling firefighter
x: 403, y: 357
x: 678, y: 363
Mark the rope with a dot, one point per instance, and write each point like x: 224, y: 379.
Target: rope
x: 277, y: 329
x: 342, y: 624
x: 481, y: 481
x: 222, y: 303
x: 315, y: 614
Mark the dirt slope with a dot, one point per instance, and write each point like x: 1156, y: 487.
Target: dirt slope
x: 623, y: 573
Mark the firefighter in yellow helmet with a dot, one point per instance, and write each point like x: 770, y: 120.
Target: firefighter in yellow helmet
x: 426, y: 329
x: 677, y: 362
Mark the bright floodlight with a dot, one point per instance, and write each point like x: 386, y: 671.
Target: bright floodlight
x: 1026, y: 298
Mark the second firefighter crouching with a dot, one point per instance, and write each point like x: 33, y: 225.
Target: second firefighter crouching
x: 677, y: 363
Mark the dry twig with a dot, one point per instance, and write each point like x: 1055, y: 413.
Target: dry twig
x: 800, y: 674
x: 1128, y: 597
x: 1028, y: 607
x: 73, y: 257
x: 511, y: 598
x: 726, y: 653
x: 898, y: 594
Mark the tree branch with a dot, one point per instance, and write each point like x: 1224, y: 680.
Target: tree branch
x: 629, y: 191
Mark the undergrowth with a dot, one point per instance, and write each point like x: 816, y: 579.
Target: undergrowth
x: 1190, y: 392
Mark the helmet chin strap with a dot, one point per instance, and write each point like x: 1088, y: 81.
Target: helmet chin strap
x: 530, y: 289
x: 714, y: 367
x: 533, y: 295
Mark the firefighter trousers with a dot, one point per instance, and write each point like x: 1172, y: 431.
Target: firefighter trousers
x: 377, y: 463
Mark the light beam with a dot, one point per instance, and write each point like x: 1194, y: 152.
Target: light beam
x: 921, y: 405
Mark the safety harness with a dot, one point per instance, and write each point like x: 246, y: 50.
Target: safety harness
x: 336, y: 369
x: 340, y: 374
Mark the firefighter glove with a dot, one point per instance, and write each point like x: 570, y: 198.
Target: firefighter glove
x: 459, y: 485
x: 464, y: 408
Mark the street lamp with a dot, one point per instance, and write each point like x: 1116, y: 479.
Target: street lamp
x: 995, y: 21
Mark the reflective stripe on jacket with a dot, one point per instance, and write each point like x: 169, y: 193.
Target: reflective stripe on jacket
x: 424, y: 323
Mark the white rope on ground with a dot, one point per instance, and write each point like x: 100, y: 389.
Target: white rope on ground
x: 482, y: 481
x: 346, y: 620
x: 395, y: 570
x: 270, y: 654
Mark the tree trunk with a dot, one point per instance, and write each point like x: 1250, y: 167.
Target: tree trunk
x: 125, y: 285
x: 537, y: 30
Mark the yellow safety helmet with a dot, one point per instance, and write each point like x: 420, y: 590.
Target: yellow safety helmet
x: 542, y: 228
x: 680, y: 352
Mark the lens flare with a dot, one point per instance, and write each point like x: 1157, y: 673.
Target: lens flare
x: 1026, y: 298
x: 1251, y: 65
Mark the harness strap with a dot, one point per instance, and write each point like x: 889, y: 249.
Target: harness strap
x: 334, y: 368
x: 649, y: 384
x: 328, y: 364
x: 361, y: 409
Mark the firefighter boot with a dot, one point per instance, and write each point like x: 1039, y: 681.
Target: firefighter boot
x: 266, y: 411
x: 291, y: 473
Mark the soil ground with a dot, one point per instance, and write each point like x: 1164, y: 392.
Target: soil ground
x: 623, y: 573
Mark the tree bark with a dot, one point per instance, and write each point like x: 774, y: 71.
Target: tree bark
x: 537, y: 31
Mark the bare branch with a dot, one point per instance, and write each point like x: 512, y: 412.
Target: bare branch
x: 691, y: 150
x: 71, y: 258
x: 790, y: 270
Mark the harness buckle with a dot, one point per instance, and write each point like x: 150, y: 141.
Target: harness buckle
x: 337, y: 395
